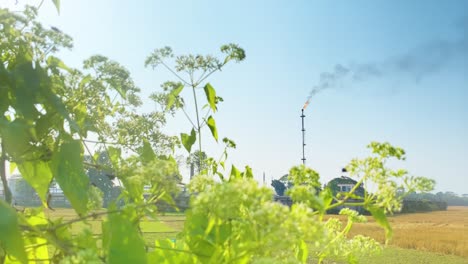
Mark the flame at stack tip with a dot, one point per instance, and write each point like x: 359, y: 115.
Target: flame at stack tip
x: 306, y: 104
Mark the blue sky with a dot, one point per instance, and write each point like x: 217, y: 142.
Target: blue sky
x: 289, y: 44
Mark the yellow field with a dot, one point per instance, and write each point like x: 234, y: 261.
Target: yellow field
x: 444, y: 232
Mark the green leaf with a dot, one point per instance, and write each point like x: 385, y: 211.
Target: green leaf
x: 57, y: 5
x: 248, y: 172
x: 198, y: 243
x: 6, y: 82
x: 85, y: 81
x: 220, y: 175
x: 124, y: 245
x: 188, y: 140
x: 56, y: 102
x: 67, y: 168
x: 168, y: 252
x: 16, y: 137
x: 43, y: 125
x: 147, y: 154
x: 381, y: 219
x: 120, y: 89
x: 81, y: 116
x: 38, y: 175
x: 173, y: 96
x: 36, y: 246
x: 114, y: 155
x: 212, y: 125
x: 134, y: 187
x: 210, y: 96
x: 326, y: 196
x: 235, y: 173
x: 10, y: 235
x: 57, y: 63
x: 59, y: 106
x: 27, y: 85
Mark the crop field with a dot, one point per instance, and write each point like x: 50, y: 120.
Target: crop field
x: 444, y: 232
x: 436, y: 237
x: 431, y: 238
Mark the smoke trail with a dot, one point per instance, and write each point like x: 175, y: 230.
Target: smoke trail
x: 327, y: 80
x: 416, y: 63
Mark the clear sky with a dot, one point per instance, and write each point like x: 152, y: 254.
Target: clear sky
x: 407, y: 81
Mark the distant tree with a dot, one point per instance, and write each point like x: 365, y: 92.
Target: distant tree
x: 279, y: 186
x: 197, y: 160
x: 451, y: 198
x: 455, y: 200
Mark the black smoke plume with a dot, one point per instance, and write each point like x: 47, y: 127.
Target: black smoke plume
x: 417, y: 63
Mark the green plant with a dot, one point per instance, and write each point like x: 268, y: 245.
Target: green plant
x: 46, y: 112
x: 192, y: 72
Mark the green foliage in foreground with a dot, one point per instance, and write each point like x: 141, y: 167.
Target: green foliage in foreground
x: 46, y: 113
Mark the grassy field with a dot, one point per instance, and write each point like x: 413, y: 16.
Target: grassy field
x: 436, y: 237
x: 166, y: 226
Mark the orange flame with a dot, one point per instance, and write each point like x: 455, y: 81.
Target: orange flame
x: 305, y: 105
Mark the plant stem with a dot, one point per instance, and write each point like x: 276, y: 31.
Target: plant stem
x: 173, y: 72
x: 198, y: 130
x: 6, y: 190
